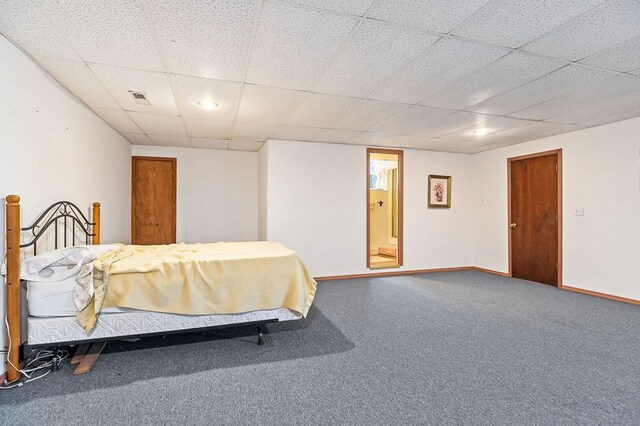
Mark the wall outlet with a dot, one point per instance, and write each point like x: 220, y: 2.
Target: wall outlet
x: 579, y: 211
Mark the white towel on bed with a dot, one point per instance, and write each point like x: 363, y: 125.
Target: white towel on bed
x: 83, y: 292
x: 58, y: 265
x: 55, y: 265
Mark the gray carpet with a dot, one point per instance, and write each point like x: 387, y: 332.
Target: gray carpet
x: 445, y: 348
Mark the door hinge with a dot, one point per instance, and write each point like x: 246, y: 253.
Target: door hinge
x: 556, y: 167
x: 556, y: 266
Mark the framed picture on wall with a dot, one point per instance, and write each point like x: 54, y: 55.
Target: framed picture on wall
x: 439, y: 191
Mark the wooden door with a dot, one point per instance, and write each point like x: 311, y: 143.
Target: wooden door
x: 535, y: 217
x: 153, y: 200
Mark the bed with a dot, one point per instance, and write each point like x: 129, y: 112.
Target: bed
x: 137, y: 291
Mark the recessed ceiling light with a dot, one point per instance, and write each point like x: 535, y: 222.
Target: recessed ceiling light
x: 206, y: 104
x: 481, y: 132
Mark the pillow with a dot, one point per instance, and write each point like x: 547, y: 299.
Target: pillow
x: 54, y: 265
x: 101, y: 249
x: 61, y: 264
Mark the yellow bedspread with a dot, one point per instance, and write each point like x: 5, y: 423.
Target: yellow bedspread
x: 219, y: 278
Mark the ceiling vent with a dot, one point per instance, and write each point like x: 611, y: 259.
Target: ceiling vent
x: 140, y: 97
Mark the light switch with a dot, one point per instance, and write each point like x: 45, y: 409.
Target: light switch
x: 580, y: 211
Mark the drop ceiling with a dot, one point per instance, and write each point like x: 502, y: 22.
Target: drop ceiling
x: 424, y: 74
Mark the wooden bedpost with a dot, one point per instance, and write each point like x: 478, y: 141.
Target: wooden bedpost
x: 13, y: 285
x: 96, y: 221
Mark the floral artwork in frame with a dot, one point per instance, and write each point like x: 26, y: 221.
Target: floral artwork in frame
x: 439, y: 191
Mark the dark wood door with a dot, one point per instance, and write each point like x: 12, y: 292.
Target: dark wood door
x: 153, y: 200
x: 534, y: 217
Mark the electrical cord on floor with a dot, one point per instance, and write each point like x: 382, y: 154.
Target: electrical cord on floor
x: 45, y: 359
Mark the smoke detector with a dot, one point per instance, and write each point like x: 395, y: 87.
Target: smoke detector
x: 140, y: 98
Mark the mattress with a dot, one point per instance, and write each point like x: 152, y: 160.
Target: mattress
x: 120, y: 324
x: 55, y: 299
x: 52, y: 317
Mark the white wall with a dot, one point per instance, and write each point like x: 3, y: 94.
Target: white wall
x: 317, y: 206
x: 600, y: 174
x: 217, y: 193
x: 53, y: 148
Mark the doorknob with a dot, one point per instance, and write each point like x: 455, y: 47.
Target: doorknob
x: 513, y: 225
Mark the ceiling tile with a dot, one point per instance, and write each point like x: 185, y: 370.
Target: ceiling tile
x: 296, y: 133
x: 190, y: 90
x: 118, y: 119
x: 209, y: 143
x: 22, y: 22
x: 434, y: 15
x: 374, y: 53
x: 197, y: 128
x: 418, y: 116
x: 205, y: 38
x: 120, y: 81
x: 170, y: 140
x: 115, y: 32
x: 319, y: 110
x: 515, y: 23
x: 443, y: 63
x: 533, y: 131
x: 601, y: 28
x: 504, y: 74
x: 294, y: 44
x: 251, y: 131
x: 368, y: 114
x: 79, y: 80
x: 552, y: 85
x: 335, y: 136
x: 240, y: 145
x: 371, y: 138
x: 138, y: 138
x: 463, y: 149
x: 493, y: 127
x: 593, y: 113
x: 449, y: 123
x: 412, y: 142
x: 624, y: 57
x: 262, y: 104
x: 619, y: 86
x: 596, y: 120
x: 153, y: 124
x: 352, y: 7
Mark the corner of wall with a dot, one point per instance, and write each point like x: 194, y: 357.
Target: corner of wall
x: 263, y: 190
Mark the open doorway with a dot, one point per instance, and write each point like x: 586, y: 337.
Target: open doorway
x: 384, y: 208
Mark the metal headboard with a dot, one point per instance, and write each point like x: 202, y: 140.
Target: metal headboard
x: 62, y: 213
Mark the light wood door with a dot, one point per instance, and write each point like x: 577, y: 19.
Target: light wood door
x: 153, y: 200
x: 535, y: 218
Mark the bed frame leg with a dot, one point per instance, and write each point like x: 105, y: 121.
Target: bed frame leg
x: 89, y: 359
x: 81, y: 351
x: 260, y: 339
